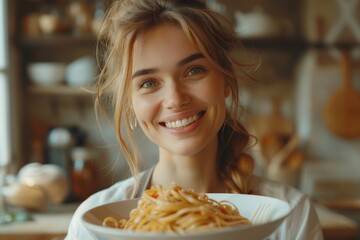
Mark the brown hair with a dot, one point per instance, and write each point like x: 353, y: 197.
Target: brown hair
x: 216, y: 39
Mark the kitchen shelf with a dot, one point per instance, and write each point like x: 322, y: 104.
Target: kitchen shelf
x: 59, y: 90
x: 274, y: 42
x: 338, y: 45
x: 294, y: 43
x: 57, y: 40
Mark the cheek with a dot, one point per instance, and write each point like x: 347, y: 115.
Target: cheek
x: 138, y: 106
x: 215, y: 92
x: 144, y: 109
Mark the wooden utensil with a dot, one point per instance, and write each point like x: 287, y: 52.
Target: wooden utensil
x: 286, y: 164
x: 284, y: 152
x: 342, y: 111
x: 276, y: 130
x: 276, y: 122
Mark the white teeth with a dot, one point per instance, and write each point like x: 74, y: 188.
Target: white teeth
x: 182, y: 123
x: 178, y: 123
x: 185, y: 122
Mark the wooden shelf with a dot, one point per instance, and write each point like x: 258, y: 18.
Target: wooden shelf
x: 59, y: 90
x: 338, y: 45
x: 57, y: 40
x: 293, y: 43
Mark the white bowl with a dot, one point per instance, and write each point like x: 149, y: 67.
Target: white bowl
x: 246, y: 204
x: 46, y: 73
x: 81, y: 71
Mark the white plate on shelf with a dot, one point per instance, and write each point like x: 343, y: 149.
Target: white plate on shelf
x: 247, y: 204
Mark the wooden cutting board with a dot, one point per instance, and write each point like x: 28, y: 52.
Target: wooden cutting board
x: 342, y: 111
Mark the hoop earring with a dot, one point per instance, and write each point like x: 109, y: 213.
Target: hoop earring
x: 133, y: 124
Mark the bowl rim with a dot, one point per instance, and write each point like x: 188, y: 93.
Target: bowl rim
x: 216, y: 231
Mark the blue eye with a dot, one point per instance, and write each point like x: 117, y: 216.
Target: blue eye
x: 196, y: 70
x: 148, y: 84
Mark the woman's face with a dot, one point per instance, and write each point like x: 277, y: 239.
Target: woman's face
x: 177, y: 94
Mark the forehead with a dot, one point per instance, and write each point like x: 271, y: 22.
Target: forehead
x: 164, y: 42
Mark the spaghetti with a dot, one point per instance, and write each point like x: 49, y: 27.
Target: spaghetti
x: 174, y: 209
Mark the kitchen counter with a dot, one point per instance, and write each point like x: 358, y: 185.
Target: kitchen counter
x: 50, y: 225
x: 337, y: 226
x: 53, y: 225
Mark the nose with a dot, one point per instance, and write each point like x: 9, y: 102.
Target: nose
x: 175, y: 96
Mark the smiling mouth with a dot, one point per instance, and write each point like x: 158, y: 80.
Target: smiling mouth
x: 183, y: 122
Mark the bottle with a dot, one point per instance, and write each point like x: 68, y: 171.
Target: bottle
x: 83, y: 174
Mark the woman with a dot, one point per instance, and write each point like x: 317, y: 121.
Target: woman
x: 169, y: 69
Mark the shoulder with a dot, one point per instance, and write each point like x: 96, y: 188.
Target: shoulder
x: 118, y: 191
x: 278, y: 190
x: 302, y: 222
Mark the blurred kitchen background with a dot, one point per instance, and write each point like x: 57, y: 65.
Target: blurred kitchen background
x: 304, y: 106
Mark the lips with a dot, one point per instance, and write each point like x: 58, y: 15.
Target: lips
x: 180, y: 123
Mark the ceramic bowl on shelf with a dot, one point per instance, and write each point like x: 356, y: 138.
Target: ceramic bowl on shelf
x: 49, y: 23
x: 81, y: 72
x: 46, y: 73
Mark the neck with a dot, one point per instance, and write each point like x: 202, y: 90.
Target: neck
x: 198, y: 172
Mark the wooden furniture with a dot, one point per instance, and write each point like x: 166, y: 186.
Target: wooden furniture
x: 336, y: 226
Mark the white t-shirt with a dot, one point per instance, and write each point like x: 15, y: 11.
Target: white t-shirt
x: 301, y: 224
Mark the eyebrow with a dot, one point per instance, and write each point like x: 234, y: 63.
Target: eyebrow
x: 190, y: 58
x: 182, y: 62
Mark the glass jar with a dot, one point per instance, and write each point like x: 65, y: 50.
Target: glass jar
x: 83, y: 176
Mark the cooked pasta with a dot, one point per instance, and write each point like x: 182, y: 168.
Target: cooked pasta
x: 174, y: 209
